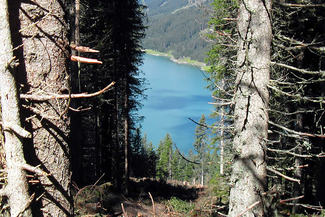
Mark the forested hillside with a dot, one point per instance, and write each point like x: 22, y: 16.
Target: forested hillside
x: 176, y: 27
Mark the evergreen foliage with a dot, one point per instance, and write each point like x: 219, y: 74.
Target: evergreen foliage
x: 165, y: 152
x: 103, y: 133
x: 176, y: 27
x: 201, y: 146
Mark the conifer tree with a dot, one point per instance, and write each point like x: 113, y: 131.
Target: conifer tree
x: 201, y: 146
x: 165, y: 151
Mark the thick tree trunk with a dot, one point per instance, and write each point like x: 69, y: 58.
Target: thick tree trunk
x: 251, y: 104
x: 17, y: 188
x: 43, y: 32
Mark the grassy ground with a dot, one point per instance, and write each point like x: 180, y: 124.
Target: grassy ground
x: 146, y: 198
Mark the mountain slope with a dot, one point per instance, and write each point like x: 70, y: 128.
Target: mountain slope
x: 174, y: 27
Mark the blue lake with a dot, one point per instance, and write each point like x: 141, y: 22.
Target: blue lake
x: 175, y: 93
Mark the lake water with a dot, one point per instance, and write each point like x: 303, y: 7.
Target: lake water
x: 176, y: 92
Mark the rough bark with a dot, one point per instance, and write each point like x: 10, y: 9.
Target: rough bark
x: 251, y: 103
x: 43, y: 32
x: 17, y: 188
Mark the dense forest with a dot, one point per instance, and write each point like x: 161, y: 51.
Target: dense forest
x: 176, y: 27
x: 71, y: 137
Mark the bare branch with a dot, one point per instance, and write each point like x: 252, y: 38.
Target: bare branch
x: 17, y: 129
x: 123, y: 210
x: 295, y: 112
x: 322, y: 73
x: 282, y: 175
x: 39, y: 97
x: 249, y: 208
x: 193, y: 162
x: 302, y: 5
x: 291, y: 199
x: 33, y: 169
x: 42, y: 114
x: 297, y: 96
x: 83, y: 49
x: 296, y: 132
x: 290, y: 153
x: 153, y: 204
x: 85, y: 60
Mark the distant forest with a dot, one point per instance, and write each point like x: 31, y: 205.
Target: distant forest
x: 176, y: 27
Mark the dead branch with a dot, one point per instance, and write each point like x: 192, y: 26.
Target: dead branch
x: 94, y: 185
x: 42, y: 114
x: 318, y: 208
x: 282, y: 175
x: 193, y: 162
x: 296, y: 132
x: 153, y: 205
x: 302, y: 5
x: 295, y: 112
x: 83, y: 49
x: 80, y: 109
x: 249, y: 208
x: 290, y: 153
x: 295, y: 167
x: 16, y: 129
x: 322, y: 73
x: 33, y: 169
x: 291, y: 199
x: 124, y: 212
x: 290, y: 84
x: 85, y: 60
x: 39, y: 97
x: 221, y: 103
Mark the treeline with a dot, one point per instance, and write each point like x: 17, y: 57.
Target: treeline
x: 166, y: 162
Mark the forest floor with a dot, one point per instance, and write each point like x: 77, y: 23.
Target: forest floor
x: 146, y: 198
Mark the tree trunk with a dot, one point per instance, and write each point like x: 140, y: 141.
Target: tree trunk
x: 251, y: 103
x: 126, y: 138
x: 222, y: 134
x: 43, y: 32
x: 17, y: 188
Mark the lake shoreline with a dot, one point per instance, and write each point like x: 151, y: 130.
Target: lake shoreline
x: 183, y: 60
